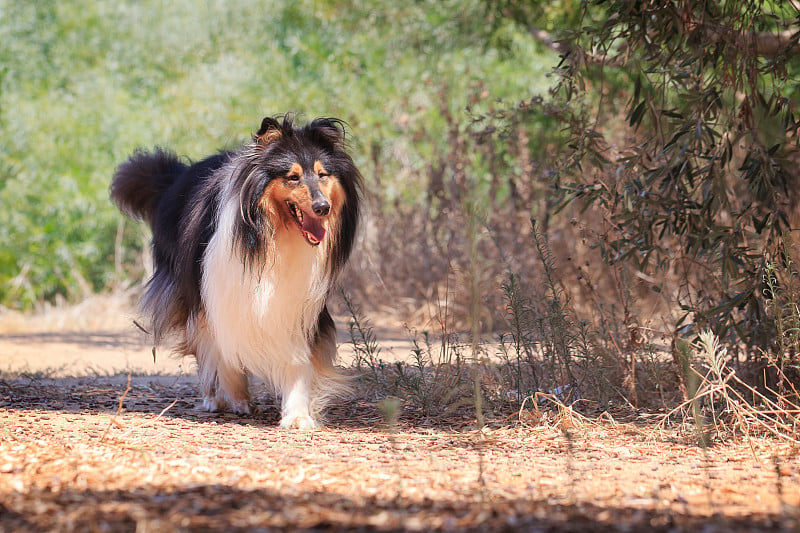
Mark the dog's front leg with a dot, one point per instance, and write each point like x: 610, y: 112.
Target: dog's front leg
x: 296, y: 398
x: 223, y: 385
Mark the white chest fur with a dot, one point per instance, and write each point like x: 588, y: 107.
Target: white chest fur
x: 262, y: 318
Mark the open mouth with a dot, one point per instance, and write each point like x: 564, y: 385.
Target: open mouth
x: 310, y: 226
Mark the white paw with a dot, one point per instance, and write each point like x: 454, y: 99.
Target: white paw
x: 298, y: 422
x: 241, y: 407
x: 212, y: 404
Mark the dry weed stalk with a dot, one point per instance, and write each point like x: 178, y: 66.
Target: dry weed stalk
x: 565, y: 417
x: 719, y: 393
x: 114, y: 422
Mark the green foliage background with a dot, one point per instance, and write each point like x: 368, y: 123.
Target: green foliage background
x: 83, y: 83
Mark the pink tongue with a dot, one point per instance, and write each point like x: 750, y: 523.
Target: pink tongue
x: 313, y: 227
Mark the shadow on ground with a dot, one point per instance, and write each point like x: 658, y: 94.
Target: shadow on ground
x: 221, y: 507
x: 63, y: 421
x: 170, y: 396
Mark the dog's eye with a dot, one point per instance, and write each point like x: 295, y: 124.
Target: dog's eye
x: 293, y: 178
x: 323, y: 175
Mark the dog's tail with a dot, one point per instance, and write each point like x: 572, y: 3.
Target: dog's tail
x: 139, y: 182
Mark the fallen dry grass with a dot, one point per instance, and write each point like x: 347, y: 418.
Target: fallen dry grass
x: 103, y: 454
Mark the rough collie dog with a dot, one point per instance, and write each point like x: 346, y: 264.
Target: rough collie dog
x: 247, y: 245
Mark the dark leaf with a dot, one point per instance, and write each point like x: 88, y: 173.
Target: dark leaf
x: 636, y: 115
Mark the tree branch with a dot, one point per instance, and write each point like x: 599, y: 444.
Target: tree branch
x: 769, y: 45
x: 764, y: 44
x: 775, y: 44
x: 562, y: 48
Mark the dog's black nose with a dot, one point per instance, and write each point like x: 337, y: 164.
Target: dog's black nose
x: 321, y: 207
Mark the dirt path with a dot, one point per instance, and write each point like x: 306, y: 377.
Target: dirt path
x: 100, y: 337
x: 89, y: 454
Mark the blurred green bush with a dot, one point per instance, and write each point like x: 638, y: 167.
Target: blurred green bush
x: 83, y: 83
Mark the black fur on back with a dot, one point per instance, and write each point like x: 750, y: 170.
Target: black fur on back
x: 180, y: 203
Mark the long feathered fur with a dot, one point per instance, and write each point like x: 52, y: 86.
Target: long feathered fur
x: 247, y: 245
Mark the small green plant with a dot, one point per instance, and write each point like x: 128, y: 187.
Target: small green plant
x: 431, y: 382
x: 433, y: 379
x: 365, y: 344
x: 547, y: 343
x: 782, y: 295
x: 523, y: 366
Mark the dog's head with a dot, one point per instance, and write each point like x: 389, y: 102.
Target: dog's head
x: 302, y: 179
x: 304, y: 189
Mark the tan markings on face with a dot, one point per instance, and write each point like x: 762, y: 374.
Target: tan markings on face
x: 282, y: 195
x: 296, y: 171
x: 274, y: 199
x: 330, y: 187
x: 299, y: 196
x: 282, y: 190
x: 273, y: 204
x: 334, y: 192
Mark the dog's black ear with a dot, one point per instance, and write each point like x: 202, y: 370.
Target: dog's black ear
x: 331, y: 130
x: 269, y: 132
